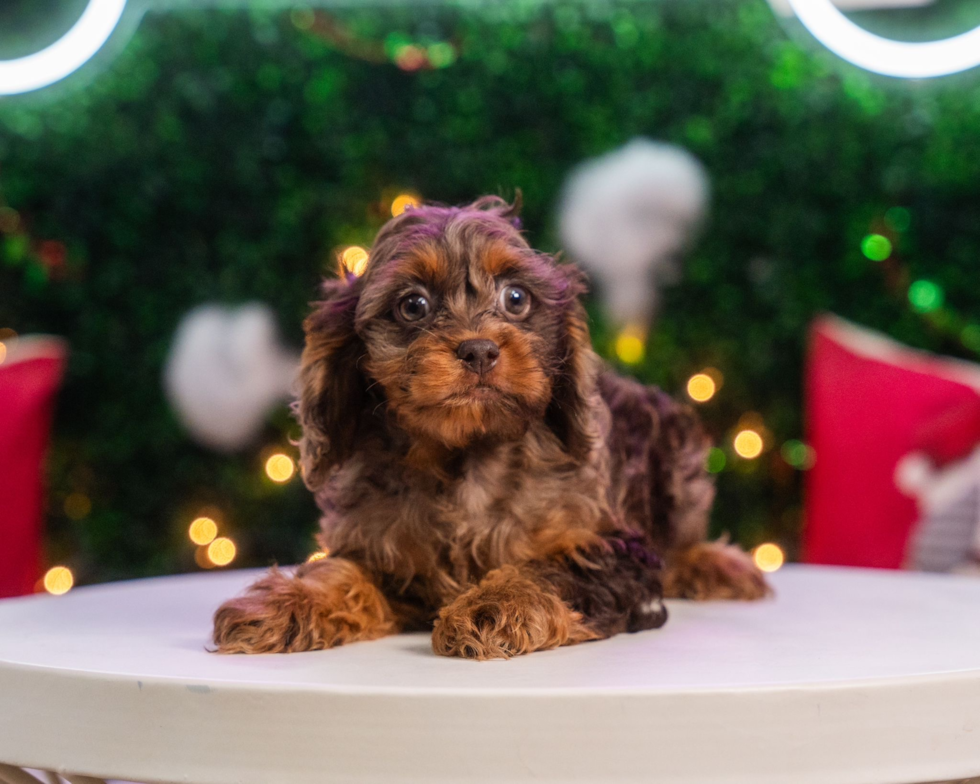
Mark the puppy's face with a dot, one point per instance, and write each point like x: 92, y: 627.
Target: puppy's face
x: 463, y: 327
x: 458, y: 329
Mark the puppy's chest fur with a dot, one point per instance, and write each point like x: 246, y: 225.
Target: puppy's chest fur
x: 430, y: 534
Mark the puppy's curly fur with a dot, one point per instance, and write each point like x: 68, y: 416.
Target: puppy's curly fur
x: 479, y: 471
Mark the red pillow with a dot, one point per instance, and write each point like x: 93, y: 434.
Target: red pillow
x: 29, y: 375
x: 871, y: 404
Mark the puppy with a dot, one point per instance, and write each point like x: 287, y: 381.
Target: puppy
x: 480, y: 473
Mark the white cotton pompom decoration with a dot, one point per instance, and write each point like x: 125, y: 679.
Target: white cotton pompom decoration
x: 226, y: 370
x: 914, y: 473
x: 625, y: 217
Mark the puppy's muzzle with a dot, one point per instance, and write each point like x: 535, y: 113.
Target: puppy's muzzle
x: 479, y: 356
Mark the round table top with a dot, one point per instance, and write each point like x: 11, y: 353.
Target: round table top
x: 845, y: 676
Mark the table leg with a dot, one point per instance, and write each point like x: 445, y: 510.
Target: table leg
x: 12, y: 775
x: 960, y: 781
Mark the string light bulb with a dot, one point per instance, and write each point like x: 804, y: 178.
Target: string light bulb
x: 748, y: 444
x: 926, y: 296
x: 280, y: 468
x: 716, y: 460
x: 769, y: 557
x: 222, y: 551
x: 876, y: 247
x: 798, y: 454
x: 58, y: 580
x: 9, y: 223
x: 410, y: 57
x: 202, y: 531
x: 970, y: 337
x: 630, y: 346
x: 77, y: 506
x: 898, y: 219
x: 701, y: 387
x: 354, y: 259
x: 201, y: 558
x: 402, y: 202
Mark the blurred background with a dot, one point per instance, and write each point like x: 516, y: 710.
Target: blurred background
x: 234, y: 155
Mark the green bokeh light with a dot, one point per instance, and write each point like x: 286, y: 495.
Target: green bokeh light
x: 876, y: 247
x: 303, y: 18
x: 796, y: 453
x: 926, y: 296
x: 970, y: 337
x: 898, y: 219
x: 442, y: 54
x: 716, y: 460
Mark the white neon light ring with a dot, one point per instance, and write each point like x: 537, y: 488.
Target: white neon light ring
x: 67, y: 54
x: 882, y: 55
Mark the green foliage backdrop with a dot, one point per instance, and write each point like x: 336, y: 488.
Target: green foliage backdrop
x: 226, y: 155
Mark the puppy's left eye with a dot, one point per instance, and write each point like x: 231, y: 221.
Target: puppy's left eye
x: 413, y: 307
x: 515, y: 300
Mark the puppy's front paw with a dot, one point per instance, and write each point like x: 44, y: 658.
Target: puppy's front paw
x: 325, y: 604
x: 714, y: 570
x: 506, y: 615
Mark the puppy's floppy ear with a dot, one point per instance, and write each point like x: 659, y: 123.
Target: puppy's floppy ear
x: 332, y: 386
x: 571, y: 413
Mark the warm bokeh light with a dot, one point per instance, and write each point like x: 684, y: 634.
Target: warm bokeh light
x: 404, y: 201
x: 715, y: 375
x: 354, y: 259
x: 9, y: 220
x: 280, y: 468
x: 203, y: 530
x: 630, y: 346
x: 701, y: 388
x: 77, y: 506
x: 768, y: 557
x: 410, y: 58
x: 876, y: 247
x: 319, y: 555
x: 221, y: 551
x: 58, y: 580
x: 926, y: 296
x: 3, y: 353
x: 201, y: 558
x: 748, y: 444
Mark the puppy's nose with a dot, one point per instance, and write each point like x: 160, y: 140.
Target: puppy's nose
x: 478, y: 355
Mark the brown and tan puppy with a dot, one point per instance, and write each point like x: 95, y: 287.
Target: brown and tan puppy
x: 480, y: 473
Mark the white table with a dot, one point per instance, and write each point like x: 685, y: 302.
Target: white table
x: 847, y: 676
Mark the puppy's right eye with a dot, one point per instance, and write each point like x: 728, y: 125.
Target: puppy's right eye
x: 413, y: 307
